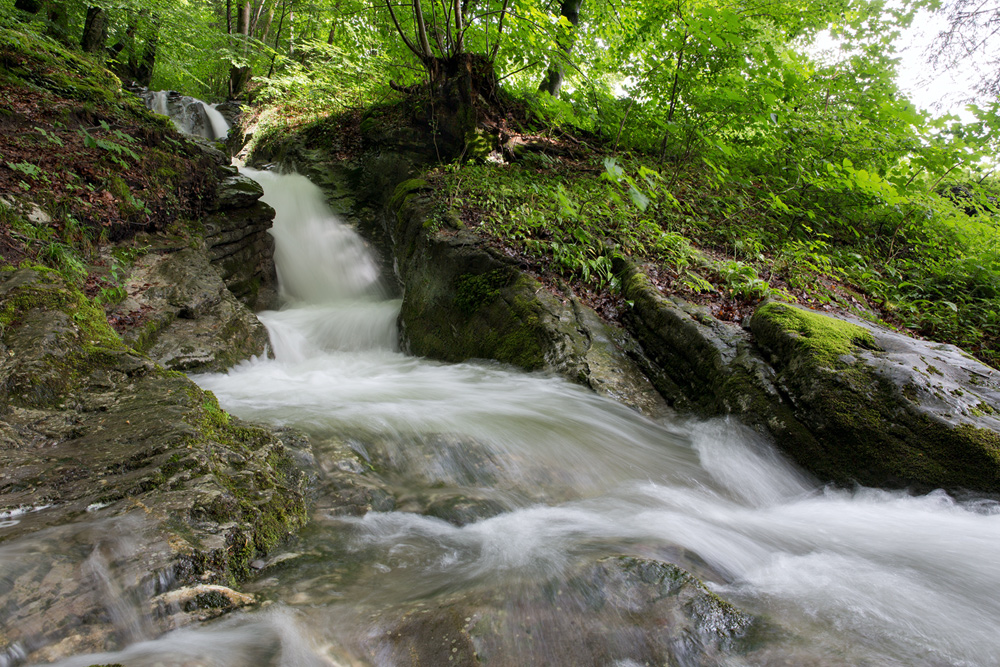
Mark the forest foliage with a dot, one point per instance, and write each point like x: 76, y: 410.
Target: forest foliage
x: 706, y: 136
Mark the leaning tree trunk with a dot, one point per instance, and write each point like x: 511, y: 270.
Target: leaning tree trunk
x: 95, y: 30
x: 553, y: 80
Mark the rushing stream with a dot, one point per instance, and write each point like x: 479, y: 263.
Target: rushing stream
x: 540, y: 479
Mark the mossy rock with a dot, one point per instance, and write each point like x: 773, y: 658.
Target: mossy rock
x: 54, y: 338
x: 194, y: 323
x: 176, y: 489
x: 885, y: 409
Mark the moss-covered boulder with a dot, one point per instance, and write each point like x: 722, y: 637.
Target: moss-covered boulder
x: 700, y: 364
x: 464, y: 300
x: 848, y: 401
x: 885, y: 409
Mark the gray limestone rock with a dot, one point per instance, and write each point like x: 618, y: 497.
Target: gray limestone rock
x: 119, y: 480
x: 237, y: 192
x: 616, y: 610
x: 885, y: 409
x: 193, y: 323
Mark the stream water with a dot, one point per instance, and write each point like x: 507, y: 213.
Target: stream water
x: 541, y: 478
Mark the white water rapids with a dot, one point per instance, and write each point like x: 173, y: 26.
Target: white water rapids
x: 862, y: 577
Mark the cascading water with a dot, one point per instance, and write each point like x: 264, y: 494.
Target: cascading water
x: 190, y: 115
x: 555, y: 477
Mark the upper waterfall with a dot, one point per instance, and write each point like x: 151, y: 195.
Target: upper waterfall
x: 190, y: 115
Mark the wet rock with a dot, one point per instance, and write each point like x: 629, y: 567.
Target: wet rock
x: 617, y: 610
x: 885, y: 409
x: 869, y: 406
x: 210, y: 150
x: 193, y: 322
x: 461, y: 510
x: 231, y: 110
x: 205, y: 596
x: 464, y: 300
x: 241, y: 249
x: 119, y: 480
x: 237, y: 192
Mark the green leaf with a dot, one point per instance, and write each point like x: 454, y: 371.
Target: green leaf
x: 639, y: 199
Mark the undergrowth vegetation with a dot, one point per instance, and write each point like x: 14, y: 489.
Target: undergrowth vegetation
x: 920, y: 258
x: 84, y: 165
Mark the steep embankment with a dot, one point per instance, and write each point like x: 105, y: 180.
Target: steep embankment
x: 129, y: 502
x: 850, y: 401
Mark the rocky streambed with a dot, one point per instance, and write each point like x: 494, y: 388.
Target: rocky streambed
x: 388, y: 509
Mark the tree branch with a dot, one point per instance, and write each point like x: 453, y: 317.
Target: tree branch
x: 399, y: 29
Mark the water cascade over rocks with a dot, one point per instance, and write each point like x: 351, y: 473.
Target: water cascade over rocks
x: 190, y: 115
x: 516, y: 519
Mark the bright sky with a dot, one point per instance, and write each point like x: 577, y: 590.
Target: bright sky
x: 938, y: 92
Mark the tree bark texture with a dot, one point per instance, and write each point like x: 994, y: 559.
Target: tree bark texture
x: 553, y: 80
x: 95, y: 30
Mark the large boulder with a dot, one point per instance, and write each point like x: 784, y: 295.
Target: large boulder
x: 119, y: 480
x: 464, y: 300
x: 851, y: 402
x: 885, y: 409
x: 191, y: 321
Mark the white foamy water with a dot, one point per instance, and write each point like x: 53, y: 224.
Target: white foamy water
x: 861, y: 577
x: 189, y: 114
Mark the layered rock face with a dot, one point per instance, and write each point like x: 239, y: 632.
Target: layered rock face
x: 238, y: 243
x: 93, y: 434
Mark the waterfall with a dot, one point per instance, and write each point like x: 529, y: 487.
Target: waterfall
x: 190, y: 115
x: 547, y: 478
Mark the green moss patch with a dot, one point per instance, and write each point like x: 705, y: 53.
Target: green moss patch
x: 404, y: 190
x: 825, y: 339
x: 263, y: 493
x: 474, y: 291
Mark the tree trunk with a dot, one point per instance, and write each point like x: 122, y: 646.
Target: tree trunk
x: 95, y: 30
x: 58, y: 22
x: 458, y: 87
x: 239, y: 75
x: 243, y: 18
x: 252, y: 30
x: 266, y: 30
x: 132, y: 59
x: 554, y: 77
x: 29, y: 6
x: 144, y: 70
x: 277, y: 38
